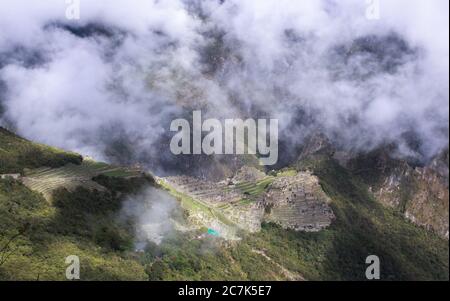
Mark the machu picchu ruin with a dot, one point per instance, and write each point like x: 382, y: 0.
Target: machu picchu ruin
x: 290, y: 199
x: 298, y: 202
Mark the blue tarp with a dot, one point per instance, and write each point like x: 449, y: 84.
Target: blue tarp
x: 213, y: 232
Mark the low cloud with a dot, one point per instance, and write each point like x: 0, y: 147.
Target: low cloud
x: 315, y: 65
x: 151, y: 212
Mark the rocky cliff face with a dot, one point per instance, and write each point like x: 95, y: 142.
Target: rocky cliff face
x: 420, y: 193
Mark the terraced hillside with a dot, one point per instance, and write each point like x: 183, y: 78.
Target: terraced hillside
x: 298, y: 202
x: 290, y: 199
x: 203, y: 212
x: 46, y: 180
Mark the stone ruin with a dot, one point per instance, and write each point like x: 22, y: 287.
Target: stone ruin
x: 298, y: 203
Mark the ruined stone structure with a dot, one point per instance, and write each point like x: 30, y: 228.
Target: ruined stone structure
x: 294, y: 202
x: 298, y: 203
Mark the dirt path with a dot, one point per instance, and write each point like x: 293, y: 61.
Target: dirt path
x: 288, y: 274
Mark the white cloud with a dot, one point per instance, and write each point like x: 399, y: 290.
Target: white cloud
x: 278, y: 56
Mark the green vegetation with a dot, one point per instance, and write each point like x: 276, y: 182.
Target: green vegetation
x: 186, y: 201
x: 90, y: 214
x: 373, y: 167
x: 253, y: 189
x: 121, y: 173
x: 287, y: 172
x: 362, y: 227
x: 89, y: 174
x: 181, y: 257
x: 16, y: 154
x: 36, y: 237
x: 124, y: 185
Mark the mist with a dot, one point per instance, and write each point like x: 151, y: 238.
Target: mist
x: 151, y: 212
x: 109, y: 84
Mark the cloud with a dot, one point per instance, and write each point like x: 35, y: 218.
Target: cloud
x: 365, y: 82
x: 150, y: 210
x: 316, y: 65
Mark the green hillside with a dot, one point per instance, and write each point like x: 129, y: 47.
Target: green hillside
x: 17, y: 153
x: 38, y: 233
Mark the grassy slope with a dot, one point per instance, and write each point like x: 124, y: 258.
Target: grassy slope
x: 36, y: 236
x: 43, y: 235
x: 17, y: 153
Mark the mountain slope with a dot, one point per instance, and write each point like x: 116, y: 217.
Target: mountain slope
x: 16, y: 154
x: 362, y: 227
x: 37, y: 233
x: 418, y: 192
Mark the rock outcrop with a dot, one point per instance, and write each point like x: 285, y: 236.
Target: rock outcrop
x: 421, y: 193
